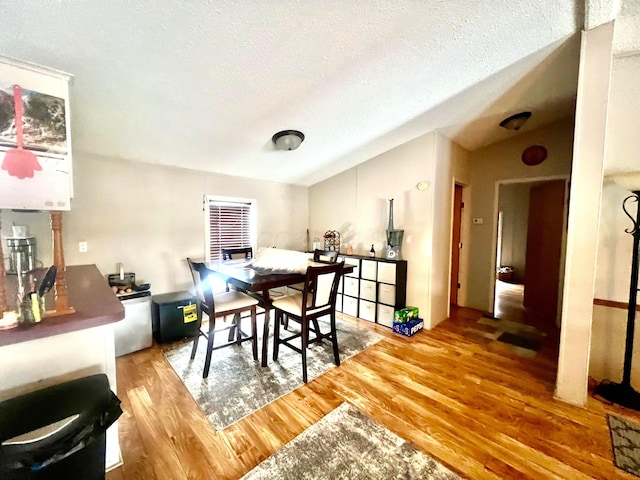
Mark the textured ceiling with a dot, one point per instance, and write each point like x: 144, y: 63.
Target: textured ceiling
x: 204, y: 85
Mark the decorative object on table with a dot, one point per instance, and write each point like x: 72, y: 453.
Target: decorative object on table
x: 288, y: 139
x: 248, y: 386
x: 372, y: 252
x: 394, y: 237
x: 625, y: 440
x: 349, y: 250
x: 534, y: 155
x: 332, y: 240
x: 19, y: 162
x: 358, y: 448
x: 623, y: 393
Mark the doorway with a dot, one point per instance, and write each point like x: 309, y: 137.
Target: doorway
x: 530, y: 252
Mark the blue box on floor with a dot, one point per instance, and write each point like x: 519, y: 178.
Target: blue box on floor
x: 409, y: 328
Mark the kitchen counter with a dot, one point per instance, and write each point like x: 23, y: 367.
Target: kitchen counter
x: 66, y: 347
x: 90, y: 295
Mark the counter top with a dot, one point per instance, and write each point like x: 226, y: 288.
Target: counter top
x: 91, y: 297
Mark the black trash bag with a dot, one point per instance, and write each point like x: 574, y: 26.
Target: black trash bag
x: 87, y: 406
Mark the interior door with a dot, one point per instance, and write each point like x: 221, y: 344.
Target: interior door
x: 544, y: 248
x: 455, y: 244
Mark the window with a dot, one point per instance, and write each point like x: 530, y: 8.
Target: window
x: 230, y: 224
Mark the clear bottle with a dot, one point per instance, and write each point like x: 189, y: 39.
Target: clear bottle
x: 372, y: 252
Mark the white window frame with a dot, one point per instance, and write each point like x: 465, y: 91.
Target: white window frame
x: 210, y: 200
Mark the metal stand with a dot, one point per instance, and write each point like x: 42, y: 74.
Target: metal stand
x: 623, y: 393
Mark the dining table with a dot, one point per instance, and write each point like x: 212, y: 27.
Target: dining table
x: 260, y: 284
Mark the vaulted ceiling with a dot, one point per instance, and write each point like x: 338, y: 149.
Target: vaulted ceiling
x: 205, y: 84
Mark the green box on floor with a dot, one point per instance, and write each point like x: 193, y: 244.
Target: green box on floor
x: 405, y: 314
x: 409, y: 328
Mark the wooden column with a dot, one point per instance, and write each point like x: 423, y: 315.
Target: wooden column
x: 3, y: 274
x: 60, y: 288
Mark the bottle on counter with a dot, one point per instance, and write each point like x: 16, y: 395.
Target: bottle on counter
x: 372, y: 252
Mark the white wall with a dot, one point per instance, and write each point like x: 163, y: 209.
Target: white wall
x: 584, y: 207
x: 613, y: 267
x: 150, y: 217
x: 355, y: 203
x: 502, y: 162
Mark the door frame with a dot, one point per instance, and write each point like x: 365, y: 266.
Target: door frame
x: 494, y: 247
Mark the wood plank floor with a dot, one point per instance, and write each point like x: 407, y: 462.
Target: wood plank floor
x: 483, y: 413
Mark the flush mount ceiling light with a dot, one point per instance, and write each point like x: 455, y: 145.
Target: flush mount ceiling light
x: 515, y: 122
x: 288, y: 139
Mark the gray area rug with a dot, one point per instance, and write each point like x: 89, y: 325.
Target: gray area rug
x: 346, y: 444
x: 625, y: 439
x: 237, y: 385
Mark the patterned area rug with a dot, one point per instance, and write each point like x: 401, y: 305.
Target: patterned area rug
x: 237, y: 385
x: 625, y: 438
x: 346, y: 444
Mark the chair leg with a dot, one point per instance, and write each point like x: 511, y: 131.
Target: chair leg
x: 238, y: 321
x: 210, y: 339
x: 334, y: 339
x: 276, y: 335
x: 305, y: 341
x: 265, y: 338
x: 232, y: 330
x: 316, y: 328
x: 254, y: 333
x: 197, y: 337
x: 195, y: 345
x: 285, y: 321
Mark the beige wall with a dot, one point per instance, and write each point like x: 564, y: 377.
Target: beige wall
x: 613, y: 267
x: 499, y: 163
x: 151, y: 218
x: 355, y: 203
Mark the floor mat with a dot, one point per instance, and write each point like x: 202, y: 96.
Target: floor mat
x: 520, y: 341
x: 625, y: 439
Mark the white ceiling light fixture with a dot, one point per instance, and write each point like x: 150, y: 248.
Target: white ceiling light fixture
x: 515, y: 122
x: 288, y: 139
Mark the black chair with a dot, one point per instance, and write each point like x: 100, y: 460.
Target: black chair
x: 234, y: 253
x: 325, y: 256
x: 58, y: 431
x: 231, y: 303
x: 318, y: 299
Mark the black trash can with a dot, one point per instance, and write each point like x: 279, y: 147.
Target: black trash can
x: 58, y: 432
x: 173, y: 316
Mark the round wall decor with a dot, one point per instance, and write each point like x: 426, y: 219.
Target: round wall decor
x: 534, y: 155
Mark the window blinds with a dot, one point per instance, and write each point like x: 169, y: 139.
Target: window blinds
x: 229, y: 226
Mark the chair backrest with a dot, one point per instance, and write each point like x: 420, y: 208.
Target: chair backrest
x: 326, y: 256
x: 321, y: 287
x: 201, y: 285
x: 231, y: 253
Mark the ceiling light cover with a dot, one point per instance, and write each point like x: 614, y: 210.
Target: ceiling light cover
x: 515, y: 122
x: 288, y: 139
